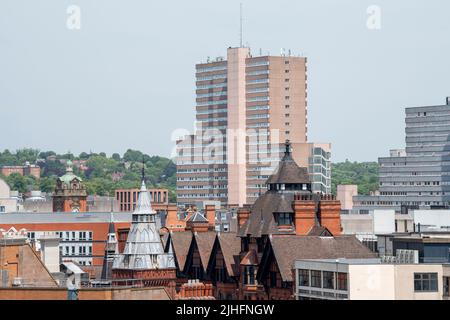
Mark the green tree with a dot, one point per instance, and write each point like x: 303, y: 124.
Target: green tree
x: 116, y: 157
x: 364, y: 175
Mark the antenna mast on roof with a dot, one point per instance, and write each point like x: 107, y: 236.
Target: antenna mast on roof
x: 241, y: 32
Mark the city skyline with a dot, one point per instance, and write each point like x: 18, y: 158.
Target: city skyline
x: 131, y: 86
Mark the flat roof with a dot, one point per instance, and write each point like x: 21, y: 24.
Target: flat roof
x: 61, y: 217
x: 343, y: 261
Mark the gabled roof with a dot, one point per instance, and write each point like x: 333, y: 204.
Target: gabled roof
x: 287, y: 249
x: 205, y: 242
x: 181, y: 242
x: 261, y: 220
x: 320, y: 231
x: 198, y: 217
x: 230, y: 244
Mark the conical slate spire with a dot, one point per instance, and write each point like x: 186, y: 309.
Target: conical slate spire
x: 144, y: 249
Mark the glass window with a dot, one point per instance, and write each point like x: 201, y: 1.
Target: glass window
x: 342, y: 281
x: 303, y: 278
x: 284, y: 219
x: 425, y: 282
x: 316, y: 279
x: 328, y: 280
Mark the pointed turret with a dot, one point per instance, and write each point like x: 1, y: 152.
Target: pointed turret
x: 111, y: 250
x: 144, y: 249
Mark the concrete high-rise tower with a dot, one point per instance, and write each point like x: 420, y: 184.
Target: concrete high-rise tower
x: 246, y: 108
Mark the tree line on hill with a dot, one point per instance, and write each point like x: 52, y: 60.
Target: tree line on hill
x: 103, y: 174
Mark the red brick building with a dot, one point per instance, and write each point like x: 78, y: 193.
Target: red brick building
x: 25, y: 170
x: 70, y: 194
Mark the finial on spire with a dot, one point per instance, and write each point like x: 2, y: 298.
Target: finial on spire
x: 288, y: 147
x: 143, y: 172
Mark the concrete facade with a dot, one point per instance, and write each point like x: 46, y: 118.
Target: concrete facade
x: 345, y: 194
x: 419, y: 176
x: 7, y: 202
x: 368, y: 279
x: 246, y: 108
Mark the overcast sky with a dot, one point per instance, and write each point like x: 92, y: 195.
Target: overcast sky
x: 125, y: 79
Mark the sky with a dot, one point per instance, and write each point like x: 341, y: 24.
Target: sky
x: 126, y: 78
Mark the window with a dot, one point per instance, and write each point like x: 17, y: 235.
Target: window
x: 342, y: 281
x: 303, y: 278
x: 249, y: 275
x: 425, y: 282
x: 284, y: 219
x: 316, y: 279
x: 287, y: 106
x: 2, y: 209
x: 328, y: 280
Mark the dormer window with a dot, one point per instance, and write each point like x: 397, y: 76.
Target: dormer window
x: 284, y: 218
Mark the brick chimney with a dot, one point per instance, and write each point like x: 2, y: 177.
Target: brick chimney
x: 330, y: 214
x: 304, y: 215
x: 172, y: 221
x: 210, y: 214
x: 242, y: 215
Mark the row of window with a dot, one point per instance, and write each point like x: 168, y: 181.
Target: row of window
x: 212, y: 86
x: 212, y: 77
x: 84, y: 250
x: 203, y: 195
x: 202, y: 170
x: 212, y: 111
x: 221, y: 186
x: 211, y: 103
x: 257, y: 99
x: 323, y: 279
x: 212, y: 68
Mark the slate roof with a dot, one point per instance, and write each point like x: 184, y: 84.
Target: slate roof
x: 181, y: 242
x: 319, y: 231
x: 198, y: 217
x: 205, y: 243
x: 289, y: 171
x: 287, y: 249
x: 230, y: 244
x: 261, y: 220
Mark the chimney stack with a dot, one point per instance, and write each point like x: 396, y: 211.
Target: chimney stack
x: 210, y: 215
x: 243, y: 215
